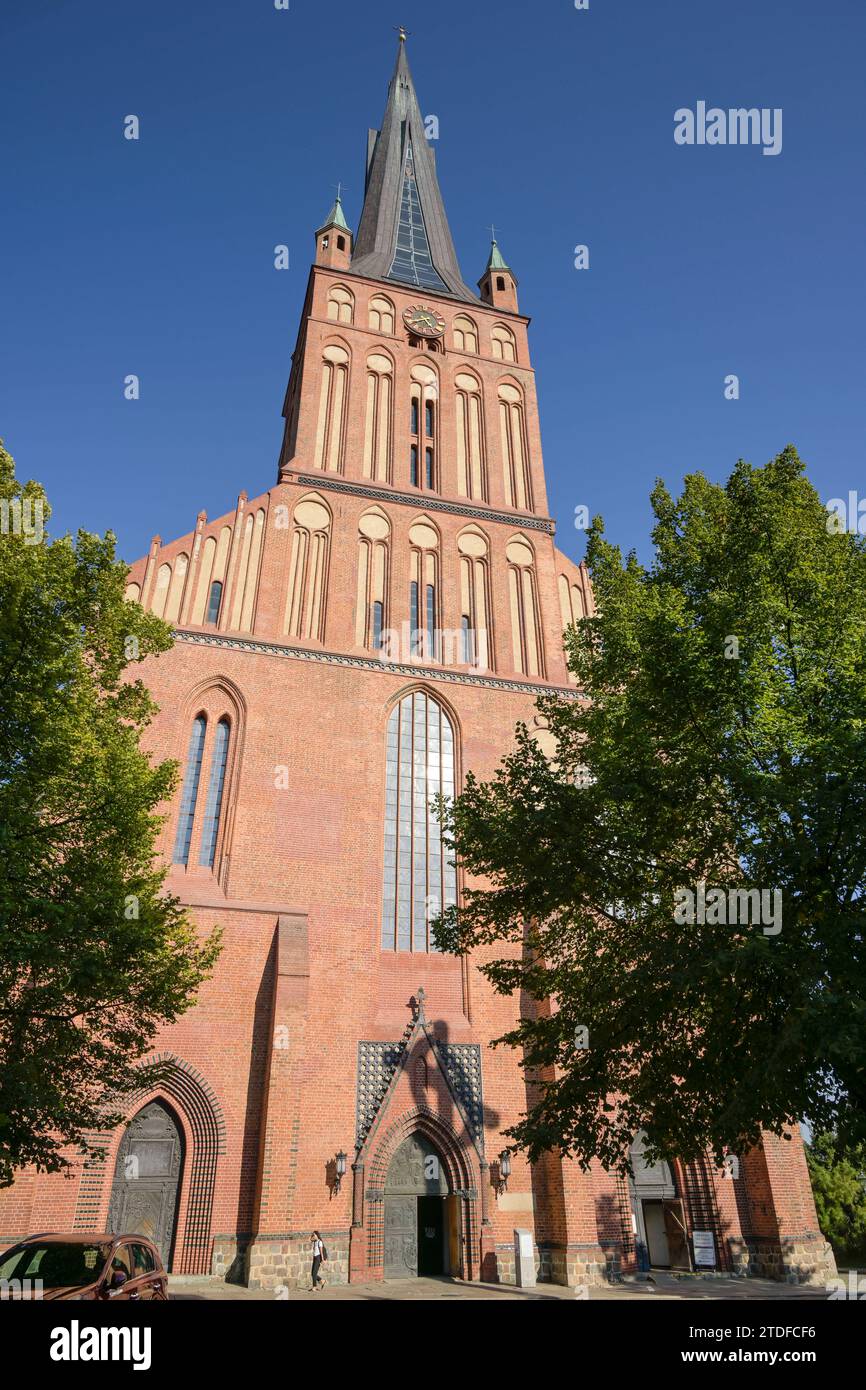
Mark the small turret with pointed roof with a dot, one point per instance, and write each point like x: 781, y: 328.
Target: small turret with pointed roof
x: 498, y: 284
x: 334, y: 239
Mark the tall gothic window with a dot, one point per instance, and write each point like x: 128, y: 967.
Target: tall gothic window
x: 216, y: 785
x: 213, y: 603
x: 332, y: 409
x: 523, y: 601
x: 422, y: 428
x: 308, y: 570
x: 373, y: 557
x: 420, y: 877
x: 176, y: 587
x: 475, y: 607
x: 377, y: 432
x: 572, y: 606
x: 189, y: 795
x: 212, y: 569
x: 423, y: 591
x: 471, y: 463
x: 160, y: 589
x: 518, y: 492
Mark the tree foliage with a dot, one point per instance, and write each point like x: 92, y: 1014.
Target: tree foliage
x: 838, y: 1177
x: 690, y: 757
x: 94, y: 956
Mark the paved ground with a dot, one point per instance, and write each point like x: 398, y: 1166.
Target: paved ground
x: 663, y: 1286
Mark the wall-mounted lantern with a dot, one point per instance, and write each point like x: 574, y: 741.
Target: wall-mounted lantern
x: 504, y: 1170
x: 340, y: 1170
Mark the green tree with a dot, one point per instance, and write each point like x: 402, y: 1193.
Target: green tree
x: 720, y: 738
x: 94, y: 957
x: 839, y: 1183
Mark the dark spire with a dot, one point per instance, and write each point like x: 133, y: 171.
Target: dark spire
x: 403, y: 234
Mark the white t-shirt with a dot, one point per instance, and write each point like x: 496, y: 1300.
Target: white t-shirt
x: 317, y: 1248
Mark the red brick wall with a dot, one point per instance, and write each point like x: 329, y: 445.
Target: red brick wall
x: 301, y: 840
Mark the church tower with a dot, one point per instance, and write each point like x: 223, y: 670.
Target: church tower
x: 349, y: 644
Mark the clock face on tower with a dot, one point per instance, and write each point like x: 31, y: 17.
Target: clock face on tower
x: 425, y: 322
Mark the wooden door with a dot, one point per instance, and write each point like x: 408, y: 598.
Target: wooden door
x: 678, y: 1240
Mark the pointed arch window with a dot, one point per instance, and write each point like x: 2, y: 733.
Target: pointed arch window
x: 332, y: 409
x: 214, y: 563
x: 572, y: 607
x: 214, y: 601
x: 175, y: 591
x: 308, y: 571
x: 471, y: 461
x: 423, y: 429
x: 503, y: 342
x: 515, y: 469
x: 373, y: 566
x: 381, y: 315
x: 523, y: 600
x: 160, y: 589
x: 465, y: 334
x: 216, y: 786
x: 423, y: 592
x: 189, y: 795
x: 420, y: 877
x: 475, y: 606
x: 248, y: 572
x: 377, y: 432
x: 341, y: 305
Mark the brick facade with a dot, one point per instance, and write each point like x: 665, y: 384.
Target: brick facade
x: 268, y: 1064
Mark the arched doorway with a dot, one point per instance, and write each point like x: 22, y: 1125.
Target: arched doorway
x: 147, y: 1175
x: 421, y: 1214
x: 662, y: 1238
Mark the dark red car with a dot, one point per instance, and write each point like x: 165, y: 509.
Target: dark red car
x: 83, y: 1266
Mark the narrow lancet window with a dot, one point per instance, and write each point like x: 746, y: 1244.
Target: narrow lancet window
x: 189, y: 795
x: 216, y: 785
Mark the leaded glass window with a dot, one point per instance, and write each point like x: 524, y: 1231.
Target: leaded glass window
x: 412, y: 261
x: 189, y: 795
x: 213, y: 607
x: 420, y: 877
x: 216, y: 785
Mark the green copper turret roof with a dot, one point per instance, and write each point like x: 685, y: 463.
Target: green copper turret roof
x: 336, y: 217
x: 495, y: 261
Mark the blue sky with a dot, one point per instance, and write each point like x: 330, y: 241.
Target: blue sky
x: 155, y: 257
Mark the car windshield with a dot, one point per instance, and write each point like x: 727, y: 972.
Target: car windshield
x: 57, y: 1264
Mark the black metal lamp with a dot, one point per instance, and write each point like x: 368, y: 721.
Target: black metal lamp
x: 340, y: 1170
x: 504, y: 1170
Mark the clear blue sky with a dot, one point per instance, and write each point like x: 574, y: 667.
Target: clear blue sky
x: 156, y: 257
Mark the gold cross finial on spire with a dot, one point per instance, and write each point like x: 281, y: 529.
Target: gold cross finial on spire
x: 402, y: 33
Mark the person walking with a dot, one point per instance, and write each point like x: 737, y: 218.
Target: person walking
x: 318, y: 1250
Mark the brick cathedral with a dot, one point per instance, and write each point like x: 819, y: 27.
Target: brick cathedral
x: 348, y: 644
